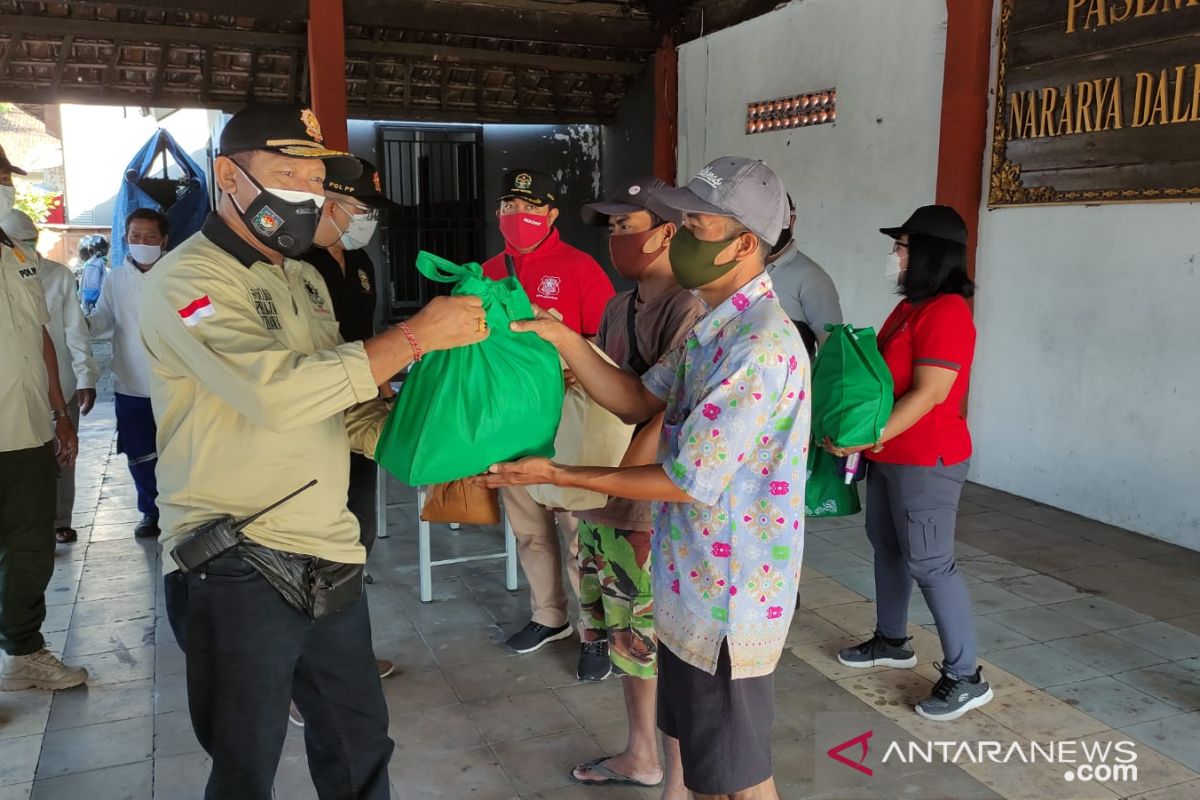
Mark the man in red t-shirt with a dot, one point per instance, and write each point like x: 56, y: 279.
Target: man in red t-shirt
x: 562, y: 278
x: 554, y: 274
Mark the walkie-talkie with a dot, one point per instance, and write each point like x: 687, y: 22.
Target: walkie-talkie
x: 220, y: 535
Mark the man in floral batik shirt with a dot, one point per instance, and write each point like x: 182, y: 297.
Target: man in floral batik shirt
x: 729, y: 521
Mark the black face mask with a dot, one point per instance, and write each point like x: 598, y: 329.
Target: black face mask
x: 285, y: 220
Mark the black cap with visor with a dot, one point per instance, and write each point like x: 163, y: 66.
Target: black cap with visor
x: 289, y: 130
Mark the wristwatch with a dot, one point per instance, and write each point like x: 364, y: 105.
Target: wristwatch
x: 58, y: 413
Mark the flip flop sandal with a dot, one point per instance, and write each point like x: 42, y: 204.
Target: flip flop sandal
x: 65, y: 535
x: 609, y: 778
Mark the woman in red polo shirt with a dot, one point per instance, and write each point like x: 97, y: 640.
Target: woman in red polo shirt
x: 918, y: 467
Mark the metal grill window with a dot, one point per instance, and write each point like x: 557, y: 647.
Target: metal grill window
x: 435, y: 175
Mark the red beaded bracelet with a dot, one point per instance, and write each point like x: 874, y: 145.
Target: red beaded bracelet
x: 412, y: 341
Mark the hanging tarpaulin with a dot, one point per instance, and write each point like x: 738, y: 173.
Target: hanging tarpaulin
x: 180, y: 193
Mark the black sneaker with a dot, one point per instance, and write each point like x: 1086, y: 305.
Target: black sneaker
x: 877, y: 652
x: 147, y: 528
x: 594, y: 663
x: 953, y: 696
x: 534, y: 635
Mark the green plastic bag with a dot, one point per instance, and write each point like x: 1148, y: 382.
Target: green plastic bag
x: 462, y: 410
x: 826, y: 493
x: 851, y: 388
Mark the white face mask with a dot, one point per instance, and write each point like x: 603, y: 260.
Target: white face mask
x: 359, y: 231
x: 296, y: 196
x: 892, y: 270
x: 145, y: 254
x: 8, y: 196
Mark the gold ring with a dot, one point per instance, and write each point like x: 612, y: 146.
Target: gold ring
x: 483, y: 326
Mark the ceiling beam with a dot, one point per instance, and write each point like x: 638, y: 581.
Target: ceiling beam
x: 10, y: 49
x: 496, y: 20
x: 137, y: 32
x: 232, y: 102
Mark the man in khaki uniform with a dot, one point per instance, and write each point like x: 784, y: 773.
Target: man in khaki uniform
x: 30, y: 398
x: 255, y: 394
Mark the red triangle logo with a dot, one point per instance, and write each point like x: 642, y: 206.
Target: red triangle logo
x: 835, y: 752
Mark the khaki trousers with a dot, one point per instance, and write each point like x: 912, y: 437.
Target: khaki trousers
x: 540, y: 550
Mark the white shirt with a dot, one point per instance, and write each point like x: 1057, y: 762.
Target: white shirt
x: 119, y: 310
x: 68, y: 329
x: 24, y: 387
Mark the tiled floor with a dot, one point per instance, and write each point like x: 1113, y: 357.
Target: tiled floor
x: 1089, y: 633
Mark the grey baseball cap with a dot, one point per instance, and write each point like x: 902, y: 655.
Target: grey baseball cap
x: 742, y: 188
x: 640, y: 194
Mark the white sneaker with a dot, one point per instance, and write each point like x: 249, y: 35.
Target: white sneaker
x: 40, y: 670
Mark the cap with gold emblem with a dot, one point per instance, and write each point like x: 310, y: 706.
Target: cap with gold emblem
x: 530, y: 185
x: 288, y: 130
x: 367, y: 188
x: 8, y: 166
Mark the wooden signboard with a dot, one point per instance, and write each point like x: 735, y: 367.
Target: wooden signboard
x: 1097, y: 101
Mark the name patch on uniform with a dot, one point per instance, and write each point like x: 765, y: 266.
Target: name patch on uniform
x: 264, y: 304
x: 197, y: 310
x: 27, y: 272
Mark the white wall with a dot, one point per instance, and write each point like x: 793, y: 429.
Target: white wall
x: 1087, y: 371
x: 871, y: 168
x: 98, y: 143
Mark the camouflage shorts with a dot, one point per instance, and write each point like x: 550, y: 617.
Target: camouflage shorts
x: 614, y: 593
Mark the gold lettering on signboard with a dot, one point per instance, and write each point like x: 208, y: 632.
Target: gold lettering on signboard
x: 1179, y: 112
x: 1100, y: 13
x: 1114, y: 118
x: 1141, y: 99
x: 1195, y: 115
x: 1049, y: 103
x: 1016, y: 114
x: 1158, y: 114
x: 1066, y: 120
x: 1114, y: 18
x: 1084, y: 92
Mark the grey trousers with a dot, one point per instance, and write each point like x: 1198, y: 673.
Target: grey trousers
x: 65, y: 505
x: 911, y: 513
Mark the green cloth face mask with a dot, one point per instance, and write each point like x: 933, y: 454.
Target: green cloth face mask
x: 692, y: 260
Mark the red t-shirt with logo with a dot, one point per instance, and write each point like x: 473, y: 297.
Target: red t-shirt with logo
x: 938, y: 332
x: 558, y: 276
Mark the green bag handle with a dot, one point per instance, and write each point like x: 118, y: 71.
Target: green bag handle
x: 470, y: 280
x: 444, y: 270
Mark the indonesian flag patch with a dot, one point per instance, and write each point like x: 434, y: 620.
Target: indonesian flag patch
x: 198, y: 309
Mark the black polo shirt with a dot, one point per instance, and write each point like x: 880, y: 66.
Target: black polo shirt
x: 352, y: 292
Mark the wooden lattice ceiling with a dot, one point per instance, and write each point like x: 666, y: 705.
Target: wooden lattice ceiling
x: 463, y: 60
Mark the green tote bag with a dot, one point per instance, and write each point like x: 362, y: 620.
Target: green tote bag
x: 851, y: 388
x: 826, y: 493
x: 462, y: 410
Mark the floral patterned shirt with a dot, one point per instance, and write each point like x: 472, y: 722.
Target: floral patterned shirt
x: 735, y: 438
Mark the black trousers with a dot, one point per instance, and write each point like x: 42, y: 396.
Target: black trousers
x: 248, y: 655
x: 361, y: 500
x: 28, y: 492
